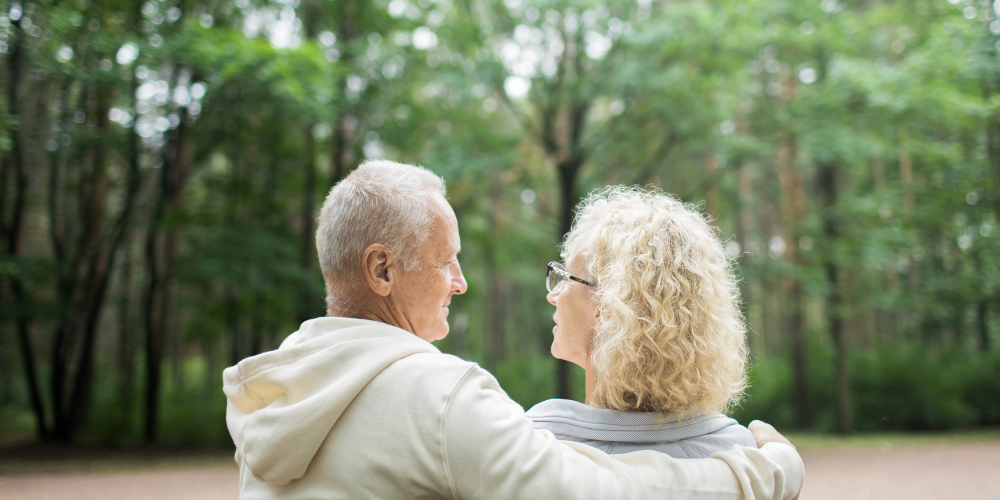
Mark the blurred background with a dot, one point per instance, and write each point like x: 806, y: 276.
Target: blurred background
x: 162, y: 164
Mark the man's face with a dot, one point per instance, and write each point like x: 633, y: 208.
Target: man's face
x: 424, y: 295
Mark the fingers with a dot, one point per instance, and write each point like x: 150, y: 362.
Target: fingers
x: 765, y: 433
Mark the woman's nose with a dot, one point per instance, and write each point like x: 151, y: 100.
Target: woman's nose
x: 552, y: 296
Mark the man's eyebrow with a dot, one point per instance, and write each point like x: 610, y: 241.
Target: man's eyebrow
x: 455, y: 253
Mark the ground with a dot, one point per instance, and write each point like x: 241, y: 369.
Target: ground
x: 875, y: 467
x: 967, y: 471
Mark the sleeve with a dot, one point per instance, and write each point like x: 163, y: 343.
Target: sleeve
x: 491, y: 450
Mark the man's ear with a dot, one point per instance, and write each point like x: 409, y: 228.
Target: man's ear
x: 379, y: 267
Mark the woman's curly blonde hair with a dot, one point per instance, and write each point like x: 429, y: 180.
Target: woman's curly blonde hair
x: 670, y: 338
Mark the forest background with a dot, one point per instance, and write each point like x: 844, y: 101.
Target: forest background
x: 162, y: 163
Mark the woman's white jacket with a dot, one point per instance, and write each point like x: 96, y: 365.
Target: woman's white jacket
x: 356, y: 409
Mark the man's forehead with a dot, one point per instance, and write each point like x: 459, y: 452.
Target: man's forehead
x: 440, y: 206
x: 453, y: 241
x: 446, y: 224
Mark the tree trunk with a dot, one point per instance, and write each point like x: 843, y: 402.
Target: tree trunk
x: 127, y: 321
x: 28, y: 360
x: 712, y: 207
x: 496, y: 315
x: 85, y: 266
x: 878, y: 172
x: 160, y: 254
x: 308, y: 304
x: 152, y: 319
x: 341, y: 140
x: 11, y: 227
x: 799, y: 351
x: 827, y: 180
x: 233, y: 323
x: 212, y: 373
x: 68, y: 249
x: 568, y: 171
x: 906, y: 171
x: 984, y: 332
x: 161, y: 249
x: 171, y: 331
x: 82, y: 389
x: 744, y: 224
x: 497, y: 291
x: 126, y: 339
x: 338, y: 155
x: 990, y: 86
x: 991, y: 82
x: 957, y: 323
x: 792, y: 216
x: 102, y: 251
x: 152, y: 322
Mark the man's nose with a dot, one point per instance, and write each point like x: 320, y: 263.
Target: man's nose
x: 458, y: 284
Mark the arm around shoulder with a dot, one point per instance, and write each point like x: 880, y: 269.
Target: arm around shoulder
x: 491, y: 450
x: 774, y: 471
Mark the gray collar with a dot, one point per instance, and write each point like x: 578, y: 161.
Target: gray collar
x: 571, y: 418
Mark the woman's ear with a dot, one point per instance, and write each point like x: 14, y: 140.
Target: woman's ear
x: 378, y: 266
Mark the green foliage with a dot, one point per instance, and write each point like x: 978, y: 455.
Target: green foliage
x: 193, y: 414
x: 767, y: 398
x: 902, y: 388
x: 983, y: 385
x: 238, y: 124
x: 194, y: 418
x: 905, y: 388
x: 527, y: 379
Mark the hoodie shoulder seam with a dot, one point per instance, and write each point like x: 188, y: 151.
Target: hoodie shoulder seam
x: 441, y: 432
x: 320, y: 351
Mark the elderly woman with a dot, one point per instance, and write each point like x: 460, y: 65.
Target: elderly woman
x: 648, y: 305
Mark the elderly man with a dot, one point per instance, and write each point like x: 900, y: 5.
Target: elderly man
x: 359, y: 404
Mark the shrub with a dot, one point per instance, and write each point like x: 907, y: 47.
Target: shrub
x: 905, y: 388
x: 909, y: 389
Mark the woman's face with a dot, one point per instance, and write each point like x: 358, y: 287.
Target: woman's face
x: 576, y: 315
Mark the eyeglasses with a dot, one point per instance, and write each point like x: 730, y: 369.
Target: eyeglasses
x: 556, y: 274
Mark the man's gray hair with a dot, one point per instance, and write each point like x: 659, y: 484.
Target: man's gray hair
x: 380, y: 202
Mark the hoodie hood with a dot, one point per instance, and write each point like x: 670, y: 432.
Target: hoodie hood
x: 283, y: 403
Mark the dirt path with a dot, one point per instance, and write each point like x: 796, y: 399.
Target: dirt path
x: 210, y: 483
x: 968, y: 471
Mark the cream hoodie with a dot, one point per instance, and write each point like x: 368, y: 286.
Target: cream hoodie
x: 356, y: 409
